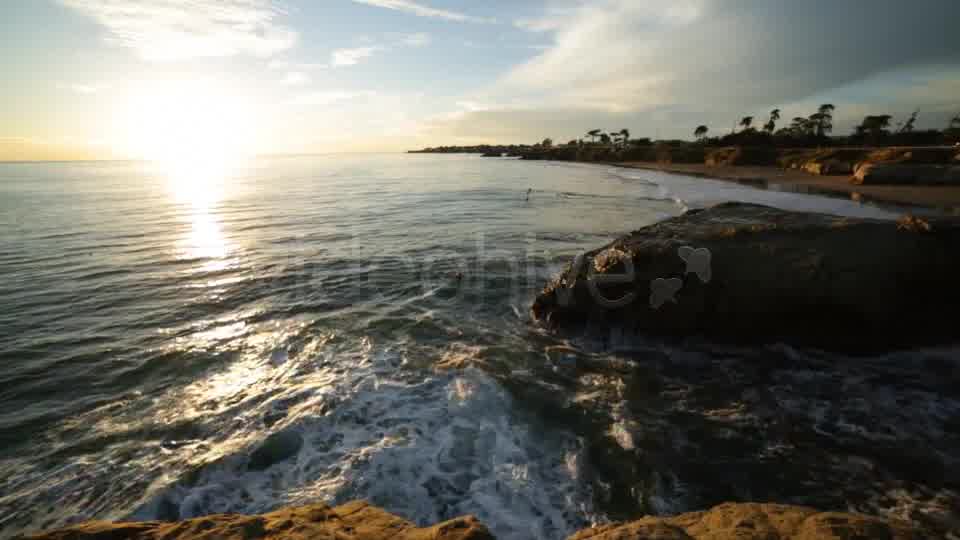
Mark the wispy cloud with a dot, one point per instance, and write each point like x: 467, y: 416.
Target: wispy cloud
x: 295, y: 78
x: 474, y: 106
x: 674, y: 66
x: 667, y: 52
x: 351, y: 57
x: 165, y: 30
x: 421, y: 10
x: 330, y: 97
x: 544, y: 24
x: 416, y: 40
x: 354, y: 55
x: 86, y: 89
x: 287, y: 65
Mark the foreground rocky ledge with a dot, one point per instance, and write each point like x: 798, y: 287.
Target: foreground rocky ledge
x: 752, y: 521
x: 750, y: 273
x: 360, y: 521
x: 352, y: 521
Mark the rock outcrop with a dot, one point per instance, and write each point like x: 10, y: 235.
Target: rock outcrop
x: 360, y: 521
x: 884, y: 166
x: 823, y: 162
x: 749, y: 273
x: 906, y: 174
x: 741, y: 155
x: 352, y: 521
x: 754, y: 522
x: 908, y: 166
x: 829, y: 168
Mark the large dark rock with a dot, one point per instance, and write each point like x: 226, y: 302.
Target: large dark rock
x: 768, y: 275
x: 906, y: 174
x: 278, y: 447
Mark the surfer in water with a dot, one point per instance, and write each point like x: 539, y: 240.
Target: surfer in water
x: 529, y: 191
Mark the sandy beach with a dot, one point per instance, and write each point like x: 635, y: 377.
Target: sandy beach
x: 945, y: 197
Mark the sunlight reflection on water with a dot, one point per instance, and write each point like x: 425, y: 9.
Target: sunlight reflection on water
x: 200, y: 187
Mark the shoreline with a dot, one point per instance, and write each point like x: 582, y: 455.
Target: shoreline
x: 944, y: 198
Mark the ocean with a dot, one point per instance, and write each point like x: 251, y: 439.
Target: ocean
x: 328, y: 328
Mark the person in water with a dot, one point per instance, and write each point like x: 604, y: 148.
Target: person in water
x: 529, y: 191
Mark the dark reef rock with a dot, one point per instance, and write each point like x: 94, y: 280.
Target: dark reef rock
x: 750, y: 273
x: 278, y: 447
x: 899, y: 174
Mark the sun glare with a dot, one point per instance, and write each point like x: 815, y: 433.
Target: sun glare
x: 196, y: 133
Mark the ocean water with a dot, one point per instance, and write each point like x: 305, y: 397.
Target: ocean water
x: 327, y: 328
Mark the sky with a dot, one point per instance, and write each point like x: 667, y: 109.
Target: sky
x: 118, y: 79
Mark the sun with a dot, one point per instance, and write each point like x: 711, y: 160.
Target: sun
x: 197, y: 133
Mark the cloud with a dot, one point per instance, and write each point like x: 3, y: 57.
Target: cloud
x: 544, y: 24
x: 86, y: 89
x: 351, y: 57
x: 661, y: 67
x: 168, y: 30
x: 330, y: 97
x: 473, y: 106
x: 623, y: 55
x: 287, y: 65
x: 416, y: 40
x: 295, y: 78
x: 421, y: 10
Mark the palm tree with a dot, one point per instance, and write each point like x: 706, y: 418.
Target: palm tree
x: 700, y: 132
x: 955, y: 122
x: 746, y: 122
x: 604, y: 138
x: 625, y: 136
x: 799, y: 126
x: 593, y: 134
x: 874, y: 126
x: 771, y: 124
x: 815, y: 123
x: 908, y: 126
x: 824, y: 119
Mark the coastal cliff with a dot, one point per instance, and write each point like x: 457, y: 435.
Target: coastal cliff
x: 749, y: 273
x: 360, y: 521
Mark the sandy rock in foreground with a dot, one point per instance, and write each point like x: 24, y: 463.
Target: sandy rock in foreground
x: 360, y: 521
x: 352, y: 521
x: 752, y: 521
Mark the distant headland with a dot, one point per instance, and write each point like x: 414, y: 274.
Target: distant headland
x: 881, y: 158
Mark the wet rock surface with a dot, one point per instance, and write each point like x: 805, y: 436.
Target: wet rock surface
x: 683, y: 428
x: 774, y: 275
